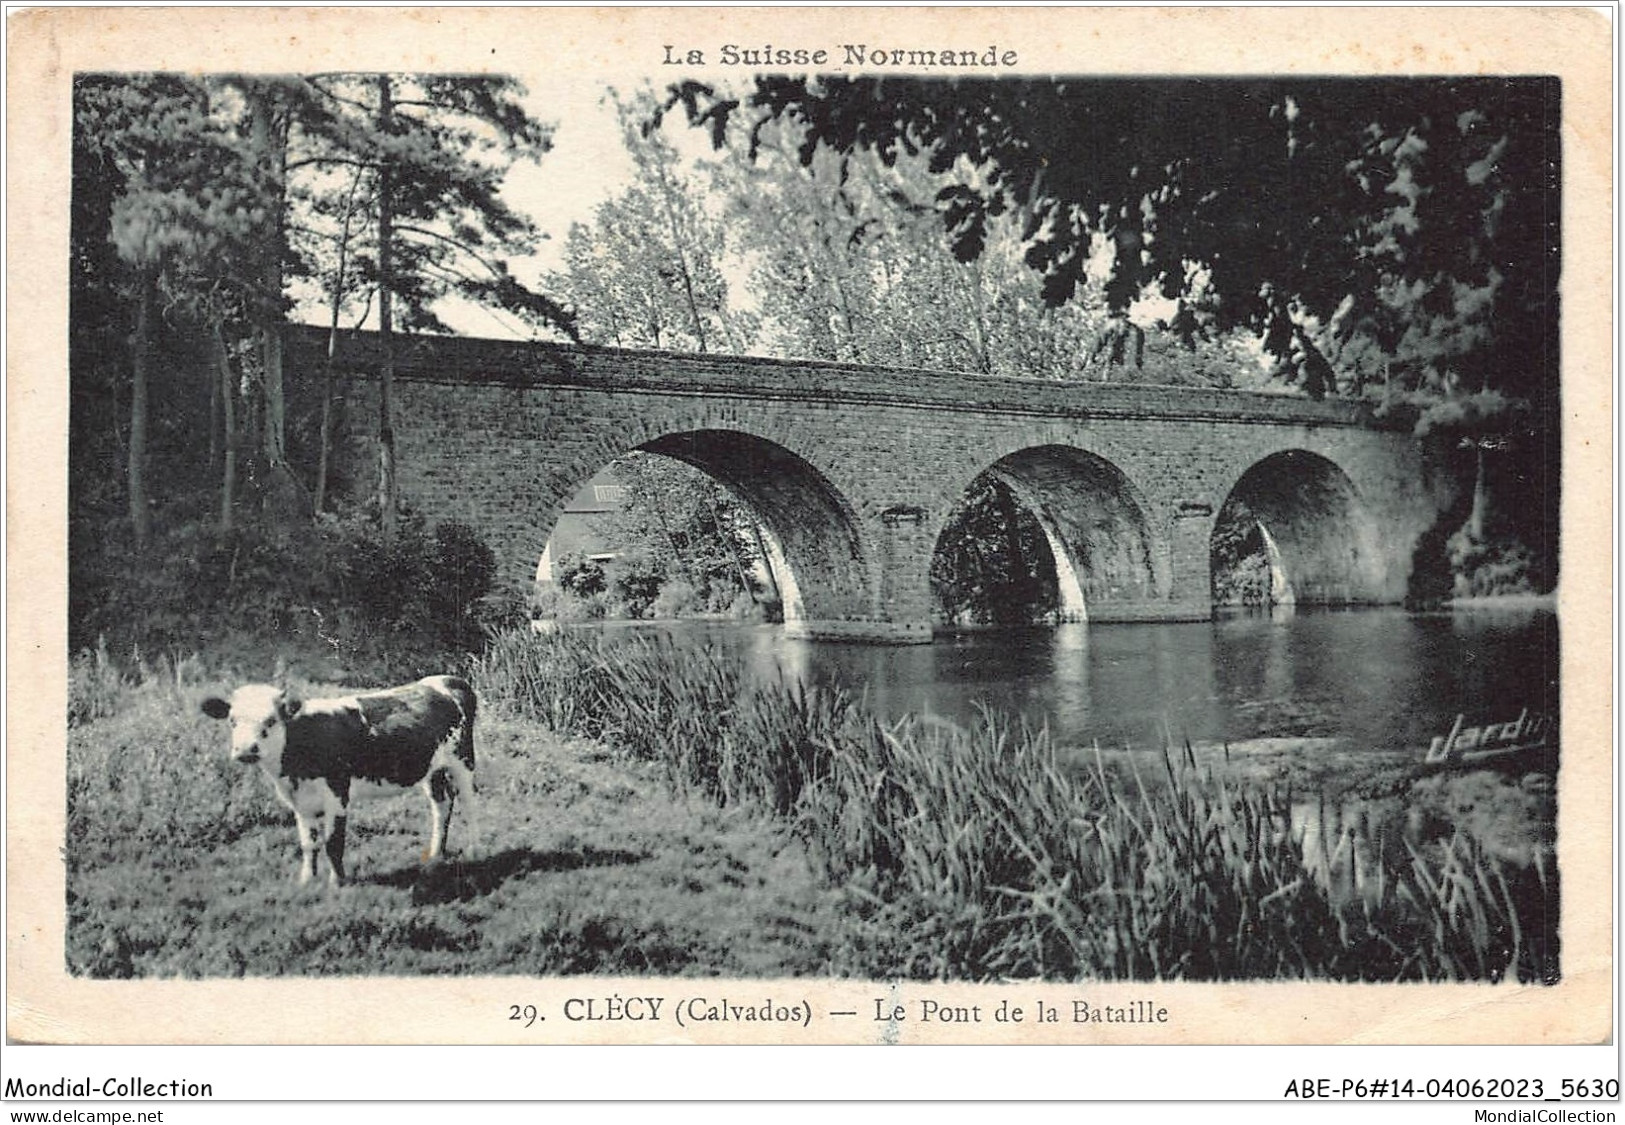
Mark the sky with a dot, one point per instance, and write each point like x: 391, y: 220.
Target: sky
x: 588, y: 163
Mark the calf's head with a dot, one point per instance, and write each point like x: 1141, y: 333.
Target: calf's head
x: 259, y: 715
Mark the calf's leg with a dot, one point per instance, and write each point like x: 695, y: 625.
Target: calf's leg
x: 335, y: 849
x: 442, y: 793
x: 310, y: 837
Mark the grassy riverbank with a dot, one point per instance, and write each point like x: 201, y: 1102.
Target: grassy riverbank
x: 646, y: 808
x: 573, y: 860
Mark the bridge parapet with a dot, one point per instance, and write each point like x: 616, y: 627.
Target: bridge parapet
x: 483, y: 362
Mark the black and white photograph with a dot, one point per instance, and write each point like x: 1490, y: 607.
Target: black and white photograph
x: 942, y: 527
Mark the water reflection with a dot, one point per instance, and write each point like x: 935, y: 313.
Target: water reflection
x: 1384, y: 679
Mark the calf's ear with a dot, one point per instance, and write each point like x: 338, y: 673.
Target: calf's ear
x: 290, y: 706
x: 216, y: 708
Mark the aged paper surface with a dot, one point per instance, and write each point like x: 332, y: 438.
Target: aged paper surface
x: 47, y: 47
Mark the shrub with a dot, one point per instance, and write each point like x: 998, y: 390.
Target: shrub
x: 388, y: 582
x: 1431, y: 581
x: 461, y: 570
x: 321, y: 588
x: 638, y: 577
x: 771, y: 609
x: 1492, y: 566
x: 96, y: 685
x: 743, y: 607
x: 551, y: 603
x: 720, y: 596
x: 502, y: 610
x: 677, y: 599
x: 579, y: 575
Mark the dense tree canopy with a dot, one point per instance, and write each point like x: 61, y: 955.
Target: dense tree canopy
x: 1329, y: 216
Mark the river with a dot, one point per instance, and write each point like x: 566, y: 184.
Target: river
x: 1381, y: 679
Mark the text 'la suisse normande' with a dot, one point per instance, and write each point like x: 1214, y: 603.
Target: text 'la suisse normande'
x: 842, y: 55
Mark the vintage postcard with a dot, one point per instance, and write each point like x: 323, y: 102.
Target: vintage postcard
x: 808, y: 526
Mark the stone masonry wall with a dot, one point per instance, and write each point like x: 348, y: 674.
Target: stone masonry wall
x: 855, y: 469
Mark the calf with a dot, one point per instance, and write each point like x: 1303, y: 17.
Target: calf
x: 319, y: 753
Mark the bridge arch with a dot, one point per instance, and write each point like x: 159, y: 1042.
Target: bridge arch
x: 812, y: 536
x: 1310, y: 534
x: 1106, y: 552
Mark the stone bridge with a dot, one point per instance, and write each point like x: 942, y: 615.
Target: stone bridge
x: 854, y: 471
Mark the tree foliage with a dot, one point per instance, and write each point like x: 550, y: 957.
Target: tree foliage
x: 648, y: 270
x: 848, y: 263
x: 166, y: 186
x: 1408, y: 215
x: 993, y: 563
x: 448, y: 143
